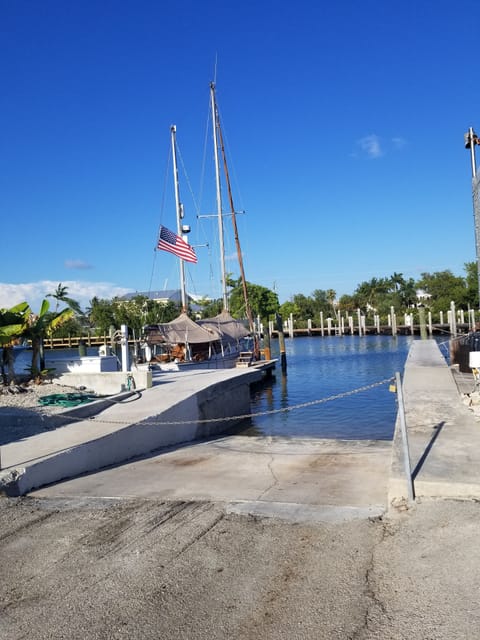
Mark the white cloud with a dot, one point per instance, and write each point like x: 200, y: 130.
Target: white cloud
x: 35, y: 292
x: 371, y: 146
x: 398, y: 142
x: 77, y: 264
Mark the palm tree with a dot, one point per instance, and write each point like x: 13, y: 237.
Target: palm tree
x: 397, y: 281
x: 331, y: 296
x: 60, y: 295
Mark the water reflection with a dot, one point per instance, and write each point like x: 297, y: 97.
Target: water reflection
x: 319, y: 368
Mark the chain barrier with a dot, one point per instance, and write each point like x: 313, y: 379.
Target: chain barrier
x: 303, y: 405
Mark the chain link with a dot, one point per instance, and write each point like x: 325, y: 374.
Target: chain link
x: 245, y: 416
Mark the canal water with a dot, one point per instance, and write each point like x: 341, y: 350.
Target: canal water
x: 319, y: 368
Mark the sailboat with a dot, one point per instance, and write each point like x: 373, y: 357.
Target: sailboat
x: 231, y: 328
x: 213, y: 342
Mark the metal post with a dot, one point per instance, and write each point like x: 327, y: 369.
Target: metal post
x: 124, y: 343
x: 179, y: 210
x: 403, y: 431
x: 471, y: 139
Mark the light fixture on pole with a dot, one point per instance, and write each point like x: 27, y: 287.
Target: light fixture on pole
x: 471, y: 140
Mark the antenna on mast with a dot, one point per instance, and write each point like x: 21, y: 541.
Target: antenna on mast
x: 215, y: 69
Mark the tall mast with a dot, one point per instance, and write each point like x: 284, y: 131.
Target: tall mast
x: 218, y: 129
x: 179, y: 209
x: 215, y: 121
x: 248, y: 310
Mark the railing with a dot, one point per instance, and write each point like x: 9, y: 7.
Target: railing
x: 70, y: 342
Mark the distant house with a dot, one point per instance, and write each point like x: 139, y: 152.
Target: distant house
x: 422, y: 295
x: 163, y: 297
x: 168, y: 295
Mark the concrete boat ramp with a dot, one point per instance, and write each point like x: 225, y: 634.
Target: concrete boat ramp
x: 164, y: 443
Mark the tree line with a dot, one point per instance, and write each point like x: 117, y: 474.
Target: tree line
x: 373, y: 297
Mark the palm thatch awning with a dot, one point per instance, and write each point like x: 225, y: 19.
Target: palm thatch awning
x: 230, y: 329
x: 181, y: 330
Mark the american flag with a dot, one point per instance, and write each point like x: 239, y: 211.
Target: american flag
x: 169, y: 241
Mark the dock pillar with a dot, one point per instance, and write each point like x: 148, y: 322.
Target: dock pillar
x: 281, y: 343
x: 423, y: 325
x: 266, y: 346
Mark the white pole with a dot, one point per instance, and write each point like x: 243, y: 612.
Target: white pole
x: 124, y: 343
x: 219, y: 197
x: 453, y: 319
x: 173, y: 131
x: 394, y: 321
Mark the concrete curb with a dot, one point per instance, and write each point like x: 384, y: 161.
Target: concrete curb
x: 443, y: 435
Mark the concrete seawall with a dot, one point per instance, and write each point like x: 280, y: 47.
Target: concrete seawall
x: 443, y: 434
x: 133, y: 426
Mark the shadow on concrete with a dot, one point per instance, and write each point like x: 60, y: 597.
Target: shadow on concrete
x: 17, y: 424
x: 438, y: 427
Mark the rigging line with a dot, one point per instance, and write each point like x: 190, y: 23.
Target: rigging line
x: 192, y: 283
x: 164, y: 193
x: 231, y: 162
x: 187, y: 180
x: 211, y: 238
x: 153, y: 271
x: 238, y: 193
x: 204, y: 157
x: 162, y: 209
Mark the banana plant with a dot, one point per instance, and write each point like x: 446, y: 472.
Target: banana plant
x: 39, y: 327
x: 13, y: 323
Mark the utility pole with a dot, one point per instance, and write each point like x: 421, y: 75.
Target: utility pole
x: 471, y: 140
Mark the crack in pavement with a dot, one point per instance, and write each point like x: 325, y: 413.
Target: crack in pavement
x: 272, y: 473
x: 373, y: 604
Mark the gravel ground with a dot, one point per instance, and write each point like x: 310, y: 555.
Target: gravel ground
x: 26, y: 396
x: 21, y: 414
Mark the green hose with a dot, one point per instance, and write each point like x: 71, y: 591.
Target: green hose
x: 67, y: 399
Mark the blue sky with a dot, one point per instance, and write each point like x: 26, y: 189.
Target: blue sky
x: 344, y: 125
